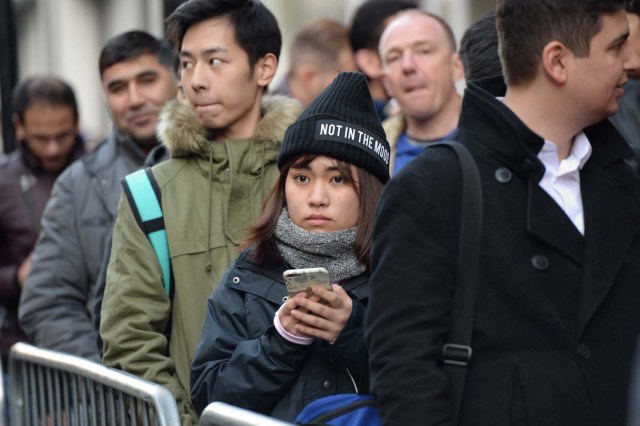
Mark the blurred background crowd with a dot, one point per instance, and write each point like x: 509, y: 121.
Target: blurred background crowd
x: 64, y: 38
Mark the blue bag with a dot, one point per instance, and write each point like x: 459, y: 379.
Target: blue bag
x: 343, y: 409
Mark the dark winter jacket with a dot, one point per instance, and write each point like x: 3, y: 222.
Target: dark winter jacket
x: 56, y: 304
x: 556, y: 317
x: 24, y: 191
x: 242, y: 360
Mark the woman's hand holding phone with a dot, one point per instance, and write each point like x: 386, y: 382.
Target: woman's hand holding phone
x: 316, y: 308
x: 323, y: 315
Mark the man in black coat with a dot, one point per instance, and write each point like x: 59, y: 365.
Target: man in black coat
x: 556, y: 315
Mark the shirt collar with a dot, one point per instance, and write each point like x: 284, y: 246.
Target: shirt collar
x: 578, y: 156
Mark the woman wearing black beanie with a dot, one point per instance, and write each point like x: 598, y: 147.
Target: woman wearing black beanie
x: 268, y: 353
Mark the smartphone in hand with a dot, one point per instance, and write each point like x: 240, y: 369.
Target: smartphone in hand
x: 301, y: 280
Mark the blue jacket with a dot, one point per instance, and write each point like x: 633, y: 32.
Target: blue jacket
x: 242, y: 360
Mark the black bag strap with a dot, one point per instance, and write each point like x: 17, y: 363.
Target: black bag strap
x: 457, y: 352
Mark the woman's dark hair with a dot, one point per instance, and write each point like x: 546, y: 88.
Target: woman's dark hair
x: 262, y: 234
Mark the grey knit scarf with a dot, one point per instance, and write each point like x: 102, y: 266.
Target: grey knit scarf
x: 305, y: 249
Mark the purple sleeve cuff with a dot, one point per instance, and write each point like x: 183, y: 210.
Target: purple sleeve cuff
x: 288, y: 336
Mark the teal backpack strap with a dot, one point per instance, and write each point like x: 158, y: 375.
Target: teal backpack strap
x: 144, y: 197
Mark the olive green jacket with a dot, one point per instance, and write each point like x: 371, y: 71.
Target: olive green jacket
x: 210, y: 193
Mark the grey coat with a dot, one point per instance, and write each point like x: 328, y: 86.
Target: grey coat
x: 57, y: 298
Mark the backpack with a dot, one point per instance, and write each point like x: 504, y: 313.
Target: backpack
x: 342, y: 409
x: 361, y: 410
x: 141, y: 189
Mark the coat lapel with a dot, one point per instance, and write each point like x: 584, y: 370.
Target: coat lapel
x: 612, y: 221
x: 548, y: 223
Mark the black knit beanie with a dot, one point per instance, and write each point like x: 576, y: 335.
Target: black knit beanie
x: 341, y: 123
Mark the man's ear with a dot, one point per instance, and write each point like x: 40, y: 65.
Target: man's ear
x: 554, y: 61
x: 368, y: 62
x: 266, y: 69
x: 457, y: 68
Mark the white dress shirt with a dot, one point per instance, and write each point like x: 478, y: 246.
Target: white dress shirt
x: 561, y: 179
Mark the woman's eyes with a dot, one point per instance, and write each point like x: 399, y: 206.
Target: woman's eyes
x: 305, y: 179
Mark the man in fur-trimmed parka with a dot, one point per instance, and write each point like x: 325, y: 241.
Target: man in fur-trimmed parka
x: 223, y: 149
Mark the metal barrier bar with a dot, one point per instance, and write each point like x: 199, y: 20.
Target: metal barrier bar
x: 221, y: 414
x: 52, y: 388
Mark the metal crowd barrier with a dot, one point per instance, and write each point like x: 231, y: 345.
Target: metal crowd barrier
x: 221, y: 414
x: 51, y: 388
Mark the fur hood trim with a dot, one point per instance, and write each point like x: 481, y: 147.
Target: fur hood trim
x: 182, y: 132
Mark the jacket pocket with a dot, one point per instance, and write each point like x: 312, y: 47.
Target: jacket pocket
x: 190, y: 260
x: 195, y: 246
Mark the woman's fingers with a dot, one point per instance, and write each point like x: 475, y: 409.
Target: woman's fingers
x: 329, y: 336
x: 326, y: 317
x: 288, y: 321
x: 313, y: 320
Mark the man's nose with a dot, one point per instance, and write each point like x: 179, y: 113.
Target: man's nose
x: 199, y: 79
x: 53, y: 148
x: 135, y: 96
x: 408, y: 63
